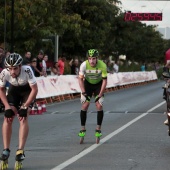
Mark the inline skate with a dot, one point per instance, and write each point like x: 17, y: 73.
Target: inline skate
x: 82, y: 134
x: 4, y: 159
x: 20, y: 156
x: 98, y: 135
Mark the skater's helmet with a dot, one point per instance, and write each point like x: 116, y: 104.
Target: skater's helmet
x: 92, y: 53
x: 13, y: 60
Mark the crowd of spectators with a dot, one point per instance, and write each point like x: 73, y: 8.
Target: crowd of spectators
x: 42, y: 65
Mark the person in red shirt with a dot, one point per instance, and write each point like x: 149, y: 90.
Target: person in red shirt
x: 61, y: 63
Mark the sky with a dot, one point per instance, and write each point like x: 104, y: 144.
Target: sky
x: 149, y: 6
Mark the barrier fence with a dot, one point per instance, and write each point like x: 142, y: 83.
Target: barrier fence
x: 59, y: 88
x: 63, y: 87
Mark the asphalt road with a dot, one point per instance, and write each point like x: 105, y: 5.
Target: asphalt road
x: 134, y: 136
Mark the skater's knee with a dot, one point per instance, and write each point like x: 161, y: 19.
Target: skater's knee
x: 23, y: 123
x: 7, y: 122
x: 98, y: 106
x: 85, y: 106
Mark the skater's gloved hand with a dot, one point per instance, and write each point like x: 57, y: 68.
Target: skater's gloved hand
x: 84, y: 97
x: 23, y: 112
x: 9, y: 113
x: 99, y: 99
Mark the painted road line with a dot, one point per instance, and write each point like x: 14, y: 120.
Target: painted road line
x: 94, y: 146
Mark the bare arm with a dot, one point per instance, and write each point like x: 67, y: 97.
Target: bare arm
x: 104, y: 84
x: 71, y: 62
x: 81, y: 84
x: 32, y: 96
x: 54, y: 70
x: 41, y: 73
x: 4, y: 98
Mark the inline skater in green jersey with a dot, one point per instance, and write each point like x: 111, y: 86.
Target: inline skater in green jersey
x: 92, y: 81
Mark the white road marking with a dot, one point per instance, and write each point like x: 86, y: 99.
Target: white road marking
x: 94, y: 146
x: 55, y: 112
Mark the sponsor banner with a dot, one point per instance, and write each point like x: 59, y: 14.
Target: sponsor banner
x: 66, y: 84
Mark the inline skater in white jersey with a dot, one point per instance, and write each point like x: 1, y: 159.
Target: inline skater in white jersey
x: 21, y: 95
x: 92, y: 81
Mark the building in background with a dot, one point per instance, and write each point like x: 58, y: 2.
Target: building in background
x: 165, y: 31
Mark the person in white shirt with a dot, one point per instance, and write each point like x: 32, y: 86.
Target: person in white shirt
x: 44, y: 65
x: 116, y: 67
x: 21, y: 95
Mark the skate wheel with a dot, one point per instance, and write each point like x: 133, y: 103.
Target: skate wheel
x: 4, y: 165
x: 97, y: 140
x: 81, y: 140
x: 18, y: 165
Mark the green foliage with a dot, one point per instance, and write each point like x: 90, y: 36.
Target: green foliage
x: 81, y: 25
x: 131, y: 68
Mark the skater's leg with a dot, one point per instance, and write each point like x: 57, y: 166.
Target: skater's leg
x: 6, y: 133
x: 83, y: 117
x: 99, y: 119
x: 7, y: 129
x: 23, y: 132
x: 98, y: 133
x: 83, y: 114
x: 100, y: 115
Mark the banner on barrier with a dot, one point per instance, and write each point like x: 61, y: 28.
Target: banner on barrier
x: 67, y: 84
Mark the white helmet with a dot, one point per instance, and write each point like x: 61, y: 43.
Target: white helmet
x: 13, y: 60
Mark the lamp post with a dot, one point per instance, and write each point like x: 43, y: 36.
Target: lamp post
x: 12, y: 26
x: 5, y: 28
x: 56, y: 47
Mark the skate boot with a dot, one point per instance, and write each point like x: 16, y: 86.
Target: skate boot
x: 20, y: 156
x: 98, y: 135
x: 82, y: 134
x: 4, y: 159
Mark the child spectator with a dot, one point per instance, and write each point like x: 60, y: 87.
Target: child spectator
x: 55, y: 69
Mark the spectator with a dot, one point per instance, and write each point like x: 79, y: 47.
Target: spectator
x: 74, y: 65
x: 44, y: 65
x: 33, y: 64
x: 7, y: 54
x: 116, y: 67
x: 61, y: 63
x: 2, y: 57
x: 55, y: 69
x: 109, y: 67
x: 142, y: 67
x: 2, y: 65
x: 38, y: 68
x: 27, y: 58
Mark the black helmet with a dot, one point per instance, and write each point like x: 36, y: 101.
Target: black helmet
x: 13, y: 60
x: 92, y: 53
